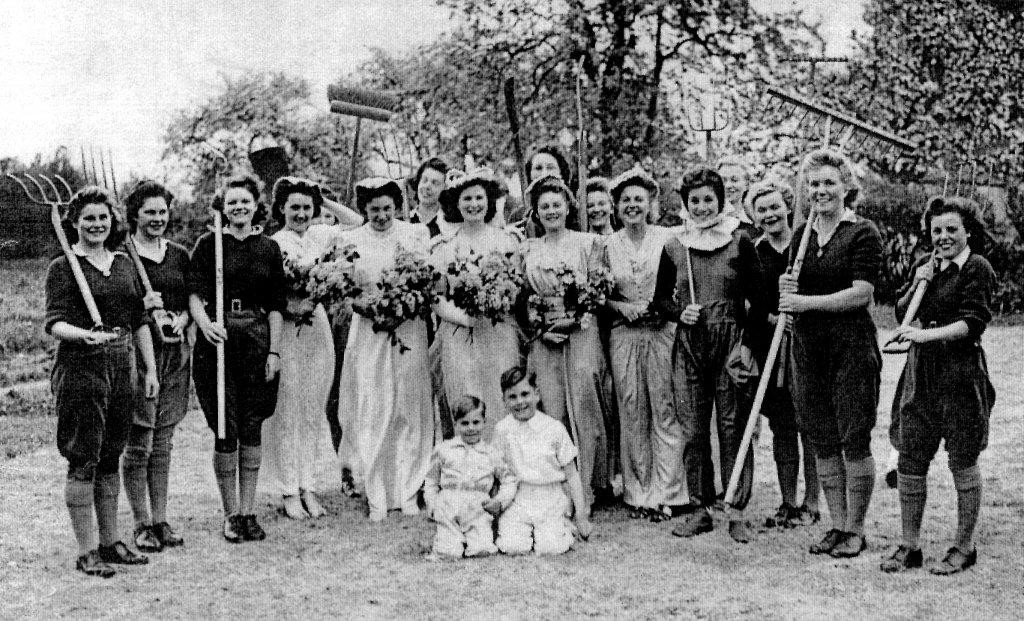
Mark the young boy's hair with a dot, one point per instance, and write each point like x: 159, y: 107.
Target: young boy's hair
x: 467, y: 404
x: 516, y: 374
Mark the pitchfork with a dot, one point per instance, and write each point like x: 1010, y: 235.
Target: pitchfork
x: 57, y: 204
x: 718, y: 120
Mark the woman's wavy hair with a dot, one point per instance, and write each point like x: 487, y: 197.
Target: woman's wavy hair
x: 552, y: 184
x: 285, y: 187
x: 555, y: 152
x: 93, y: 195
x: 139, y: 194
x: 967, y: 209
x: 820, y: 158
x: 247, y: 182
x: 769, y: 186
x: 700, y: 177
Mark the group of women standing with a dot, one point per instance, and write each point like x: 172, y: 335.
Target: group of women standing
x: 638, y: 382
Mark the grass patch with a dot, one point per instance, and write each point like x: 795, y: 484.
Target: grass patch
x: 27, y: 422
x: 25, y: 348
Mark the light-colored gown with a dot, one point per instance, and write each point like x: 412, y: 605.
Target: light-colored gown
x: 297, y: 438
x: 384, y: 402
x: 571, y: 377
x: 472, y: 361
x: 641, y: 360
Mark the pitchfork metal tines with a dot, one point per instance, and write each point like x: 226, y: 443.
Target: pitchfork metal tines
x: 840, y: 128
x: 100, y: 178
x: 717, y: 120
x: 56, y: 202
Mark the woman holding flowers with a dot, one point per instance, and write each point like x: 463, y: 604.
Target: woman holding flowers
x: 385, y: 403
x: 640, y: 351
x: 297, y: 437
x: 567, y: 279
x: 481, y: 279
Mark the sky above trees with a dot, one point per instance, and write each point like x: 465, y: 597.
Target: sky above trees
x: 112, y: 73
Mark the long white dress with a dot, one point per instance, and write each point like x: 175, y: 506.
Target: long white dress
x: 472, y: 361
x: 385, y: 403
x: 297, y: 438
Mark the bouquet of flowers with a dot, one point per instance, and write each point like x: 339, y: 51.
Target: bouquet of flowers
x: 574, y: 299
x: 404, y: 292
x: 331, y: 280
x: 327, y: 280
x: 485, y: 285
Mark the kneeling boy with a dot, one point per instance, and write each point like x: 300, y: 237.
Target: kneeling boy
x: 541, y: 455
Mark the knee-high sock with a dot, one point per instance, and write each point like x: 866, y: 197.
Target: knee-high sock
x: 913, y: 495
x: 789, y: 473
x: 811, y: 483
x: 159, y: 472
x: 134, y: 466
x: 832, y: 474
x: 861, y: 475
x: 105, y: 493
x: 225, y: 468
x: 248, y: 474
x: 78, y: 495
x: 968, y: 505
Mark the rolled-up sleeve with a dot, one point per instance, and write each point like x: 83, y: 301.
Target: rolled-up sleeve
x: 978, y: 282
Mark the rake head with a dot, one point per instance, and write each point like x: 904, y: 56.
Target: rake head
x: 842, y: 129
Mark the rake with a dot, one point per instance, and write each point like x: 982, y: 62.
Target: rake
x: 849, y: 129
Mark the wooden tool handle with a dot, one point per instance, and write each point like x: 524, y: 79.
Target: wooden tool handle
x: 897, y: 347
x: 513, y: 124
x: 129, y: 246
x: 766, y: 372
x: 76, y: 267
x: 581, y: 153
x: 218, y: 293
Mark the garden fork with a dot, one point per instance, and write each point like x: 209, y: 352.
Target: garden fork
x: 718, y: 120
x: 57, y: 203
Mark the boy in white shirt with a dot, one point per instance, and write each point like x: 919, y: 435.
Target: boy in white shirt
x: 541, y: 454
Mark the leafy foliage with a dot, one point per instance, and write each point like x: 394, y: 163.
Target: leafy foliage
x: 946, y: 74
x: 638, y: 58
x: 252, y: 108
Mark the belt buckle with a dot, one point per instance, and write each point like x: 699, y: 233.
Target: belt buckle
x: 236, y: 305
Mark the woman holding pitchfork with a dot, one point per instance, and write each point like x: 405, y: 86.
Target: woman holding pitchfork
x: 147, y: 458
x: 836, y: 362
x: 93, y: 376
x: 944, y: 392
x: 254, y: 296
x: 715, y: 266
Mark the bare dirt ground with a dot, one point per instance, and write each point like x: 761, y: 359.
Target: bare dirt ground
x: 345, y: 566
